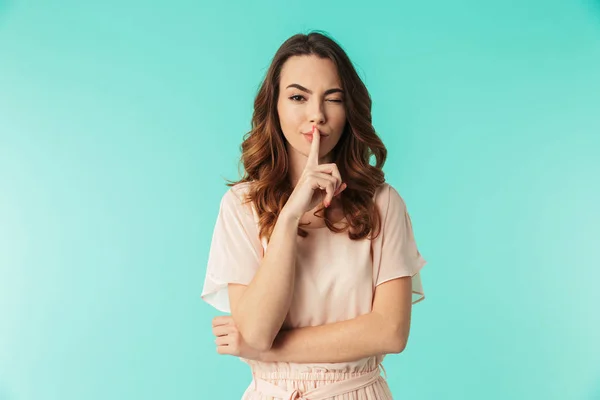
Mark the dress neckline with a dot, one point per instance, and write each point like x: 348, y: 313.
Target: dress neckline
x: 324, y: 227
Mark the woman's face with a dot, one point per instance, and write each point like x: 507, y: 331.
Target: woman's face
x: 310, y: 93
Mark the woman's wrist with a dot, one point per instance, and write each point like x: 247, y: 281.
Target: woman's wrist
x: 288, y: 217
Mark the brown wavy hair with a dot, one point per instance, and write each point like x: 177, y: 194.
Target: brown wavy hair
x: 265, y: 158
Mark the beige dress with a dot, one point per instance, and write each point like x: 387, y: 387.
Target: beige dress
x: 336, y: 280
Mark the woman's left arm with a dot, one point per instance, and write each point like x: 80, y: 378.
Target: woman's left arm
x: 382, y: 331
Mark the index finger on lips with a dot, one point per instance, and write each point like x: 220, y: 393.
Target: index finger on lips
x: 313, y: 156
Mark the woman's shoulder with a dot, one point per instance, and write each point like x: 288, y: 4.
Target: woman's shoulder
x: 387, y: 194
x: 240, y: 189
x: 382, y: 192
x: 236, y: 196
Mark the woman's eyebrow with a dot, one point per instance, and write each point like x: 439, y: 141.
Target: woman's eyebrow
x: 328, y: 91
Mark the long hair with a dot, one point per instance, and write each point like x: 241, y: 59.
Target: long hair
x: 265, y: 158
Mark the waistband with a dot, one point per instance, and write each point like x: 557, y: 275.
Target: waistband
x: 323, y: 392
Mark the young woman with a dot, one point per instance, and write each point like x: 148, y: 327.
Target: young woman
x: 313, y: 253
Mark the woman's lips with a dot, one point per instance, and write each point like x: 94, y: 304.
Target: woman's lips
x: 310, y: 133
x: 309, y: 136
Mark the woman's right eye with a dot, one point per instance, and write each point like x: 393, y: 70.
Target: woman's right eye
x: 297, y: 95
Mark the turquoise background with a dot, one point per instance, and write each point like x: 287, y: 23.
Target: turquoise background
x: 120, y: 119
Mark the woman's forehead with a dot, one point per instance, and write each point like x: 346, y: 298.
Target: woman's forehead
x: 310, y: 72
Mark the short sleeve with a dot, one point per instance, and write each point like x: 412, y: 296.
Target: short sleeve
x: 235, y: 250
x: 395, y: 252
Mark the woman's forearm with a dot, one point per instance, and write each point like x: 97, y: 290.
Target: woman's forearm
x: 262, y: 308
x: 351, y: 340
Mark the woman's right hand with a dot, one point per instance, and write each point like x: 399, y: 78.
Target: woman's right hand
x: 318, y: 183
